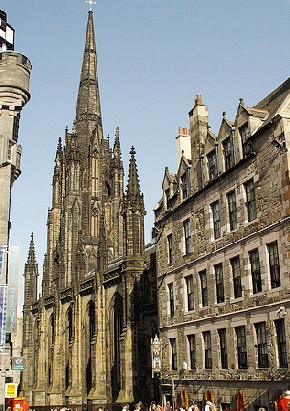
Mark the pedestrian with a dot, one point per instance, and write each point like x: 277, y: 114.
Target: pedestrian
x: 152, y: 406
x: 193, y: 406
x: 284, y: 401
x: 138, y: 406
x: 167, y: 406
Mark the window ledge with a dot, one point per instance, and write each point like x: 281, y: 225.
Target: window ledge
x: 236, y: 300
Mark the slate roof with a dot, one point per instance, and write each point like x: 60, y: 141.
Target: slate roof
x: 274, y: 100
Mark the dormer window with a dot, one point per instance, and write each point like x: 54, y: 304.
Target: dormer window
x: 184, y: 186
x: 246, y: 144
x: 212, y: 165
x: 228, y: 153
x: 167, y: 197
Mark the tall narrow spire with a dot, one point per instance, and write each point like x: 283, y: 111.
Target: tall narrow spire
x: 88, y: 110
x: 117, y: 148
x: 31, y: 261
x: 133, y: 187
x: 134, y: 211
x: 30, y: 275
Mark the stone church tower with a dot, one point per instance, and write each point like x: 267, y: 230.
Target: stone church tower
x: 87, y: 338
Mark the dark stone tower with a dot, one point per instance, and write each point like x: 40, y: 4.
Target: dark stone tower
x: 90, y: 311
x: 30, y: 296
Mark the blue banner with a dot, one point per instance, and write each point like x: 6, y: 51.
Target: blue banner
x: 13, y: 264
x: 3, y: 314
x: 1, y: 260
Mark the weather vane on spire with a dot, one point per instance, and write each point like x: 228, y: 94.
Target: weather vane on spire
x: 90, y: 2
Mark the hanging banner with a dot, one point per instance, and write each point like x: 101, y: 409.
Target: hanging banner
x: 3, y: 314
x: 1, y: 260
x: 2, y: 264
x: 156, y: 356
x: 13, y: 266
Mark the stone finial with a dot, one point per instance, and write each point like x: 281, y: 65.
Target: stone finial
x: 91, y: 2
x: 224, y: 113
x: 241, y: 101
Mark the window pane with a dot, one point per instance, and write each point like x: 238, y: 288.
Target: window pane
x: 173, y: 354
x: 212, y: 165
x: 219, y: 279
x: 228, y: 153
x: 232, y: 210
x: 242, y: 347
x: 187, y: 235
x: 184, y: 186
x: 281, y: 342
x: 192, y: 351
x: 251, y: 200
x: 171, y: 300
x: 223, y: 347
x: 246, y: 143
x: 203, y: 284
x: 263, y: 360
x: 189, y: 287
x: 237, y: 281
x: 216, y: 219
x: 255, y: 271
x: 169, y: 245
x: 274, y: 264
x: 207, y: 350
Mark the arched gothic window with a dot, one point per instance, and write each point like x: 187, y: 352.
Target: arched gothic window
x: 69, y: 325
x: 51, y: 330
x: 91, y: 327
x: 118, y: 325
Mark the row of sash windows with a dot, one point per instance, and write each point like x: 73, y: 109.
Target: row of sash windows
x: 232, y: 209
x: 229, y: 153
x: 254, y: 259
x: 215, y: 208
x: 261, y: 336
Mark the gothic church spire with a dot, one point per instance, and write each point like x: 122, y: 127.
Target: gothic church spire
x: 30, y: 275
x: 133, y: 194
x: 134, y: 211
x: 88, y: 109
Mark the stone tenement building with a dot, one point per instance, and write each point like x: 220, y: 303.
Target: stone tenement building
x: 15, y: 71
x: 87, y: 339
x: 222, y: 233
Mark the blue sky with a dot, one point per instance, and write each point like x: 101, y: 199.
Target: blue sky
x: 154, y: 56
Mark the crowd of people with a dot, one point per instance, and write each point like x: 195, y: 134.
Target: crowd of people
x: 283, y: 404
x: 155, y: 406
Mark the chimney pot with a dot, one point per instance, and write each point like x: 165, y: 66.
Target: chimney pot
x: 198, y: 100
